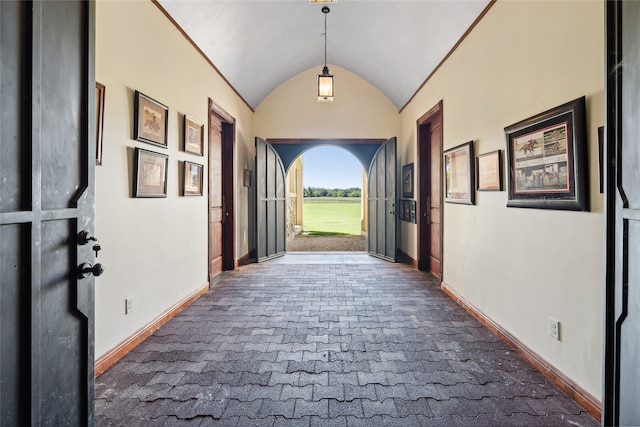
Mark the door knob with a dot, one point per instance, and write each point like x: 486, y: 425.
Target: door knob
x: 84, y: 237
x: 86, y: 269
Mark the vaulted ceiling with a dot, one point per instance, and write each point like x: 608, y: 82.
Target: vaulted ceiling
x: 258, y: 45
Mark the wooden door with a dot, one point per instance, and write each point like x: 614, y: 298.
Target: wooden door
x: 382, y: 202
x: 430, y: 196
x: 47, y: 165
x: 270, y: 202
x: 622, y: 199
x: 216, y: 199
x: 228, y: 223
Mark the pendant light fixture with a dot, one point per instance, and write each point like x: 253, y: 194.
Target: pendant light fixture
x: 325, y: 80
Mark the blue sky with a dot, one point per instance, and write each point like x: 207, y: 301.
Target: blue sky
x: 331, y: 167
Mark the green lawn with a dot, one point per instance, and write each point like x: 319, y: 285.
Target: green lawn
x: 331, y: 215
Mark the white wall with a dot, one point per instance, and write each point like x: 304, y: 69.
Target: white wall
x: 520, y: 266
x: 153, y: 249
x: 358, y: 110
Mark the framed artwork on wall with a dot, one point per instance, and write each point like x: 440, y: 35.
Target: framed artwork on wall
x: 407, y: 181
x: 547, y: 159
x: 100, y: 91
x: 150, y: 120
x: 401, y: 209
x: 489, y: 171
x: 459, y: 174
x: 193, y: 136
x: 150, y: 174
x: 193, y: 178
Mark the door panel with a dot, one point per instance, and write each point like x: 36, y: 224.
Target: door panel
x: 216, y: 214
x: 622, y: 309
x: 46, y: 200
x: 430, y: 191
x: 270, y: 203
x: 382, y: 202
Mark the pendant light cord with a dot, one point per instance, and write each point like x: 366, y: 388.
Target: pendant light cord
x: 325, y: 10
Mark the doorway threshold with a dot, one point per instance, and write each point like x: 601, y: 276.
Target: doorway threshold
x: 327, y: 258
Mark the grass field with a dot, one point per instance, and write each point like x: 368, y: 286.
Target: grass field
x: 331, y: 215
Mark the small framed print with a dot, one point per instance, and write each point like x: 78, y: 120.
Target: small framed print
x: 100, y: 91
x: 150, y: 120
x: 192, y: 179
x: 193, y: 136
x: 489, y: 171
x: 246, y: 178
x: 150, y: 174
x: 407, y: 181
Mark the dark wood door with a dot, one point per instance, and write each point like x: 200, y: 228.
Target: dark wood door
x: 228, y: 223
x: 622, y: 171
x: 270, y: 202
x: 47, y: 164
x: 430, y: 196
x: 216, y: 199
x: 382, y: 202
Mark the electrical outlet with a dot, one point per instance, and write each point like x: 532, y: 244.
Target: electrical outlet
x: 554, y: 328
x: 128, y: 305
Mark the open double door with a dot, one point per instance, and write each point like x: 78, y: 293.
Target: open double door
x: 271, y: 202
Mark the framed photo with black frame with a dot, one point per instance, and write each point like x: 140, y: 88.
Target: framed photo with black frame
x: 547, y: 159
x: 150, y: 173
x: 459, y: 174
x: 407, y: 181
x: 193, y: 178
x: 150, y: 120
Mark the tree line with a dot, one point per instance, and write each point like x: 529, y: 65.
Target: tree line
x: 330, y: 192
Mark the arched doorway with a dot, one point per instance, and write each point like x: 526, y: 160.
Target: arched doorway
x: 326, y: 204
x: 275, y: 156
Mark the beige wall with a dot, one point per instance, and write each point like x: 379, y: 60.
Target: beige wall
x: 153, y: 249
x: 359, y: 110
x: 521, y: 266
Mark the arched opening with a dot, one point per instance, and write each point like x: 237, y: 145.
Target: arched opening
x: 326, y: 201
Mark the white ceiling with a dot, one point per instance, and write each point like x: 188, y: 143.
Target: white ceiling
x: 257, y: 45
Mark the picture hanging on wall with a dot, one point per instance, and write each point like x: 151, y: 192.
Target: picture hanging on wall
x: 547, y: 158
x: 193, y: 136
x: 407, y: 181
x: 459, y: 174
x: 150, y: 120
x: 489, y: 171
x: 193, y: 178
x: 100, y: 91
x: 149, y: 174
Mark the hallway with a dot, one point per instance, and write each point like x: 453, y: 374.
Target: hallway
x: 331, y: 340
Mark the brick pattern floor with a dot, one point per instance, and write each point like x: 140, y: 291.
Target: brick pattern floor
x: 328, y: 345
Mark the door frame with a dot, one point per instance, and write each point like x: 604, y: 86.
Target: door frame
x: 423, y: 125
x: 228, y: 133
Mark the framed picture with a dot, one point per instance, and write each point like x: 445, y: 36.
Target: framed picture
x: 412, y: 209
x: 150, y: 120
x: 193, y: 136
x: 400, y: 210
x: 150, y: 174
x: 100, y: 90
x: 489, y: 171
x: 192, y: 179
x: 246, y: 177
x: 407, y: 181
x: 407, y: 210
x: 459, y: 174
x: 601, y: 156
x: 547, y: 159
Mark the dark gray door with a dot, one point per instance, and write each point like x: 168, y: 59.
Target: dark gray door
x: 622, y: 167
x: 47, y: 161
x: 382, y: 202
x: 271, y: 202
